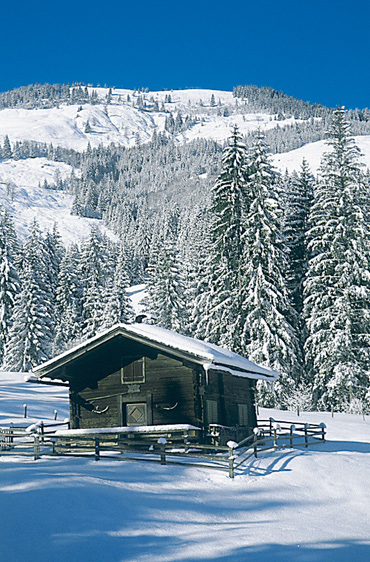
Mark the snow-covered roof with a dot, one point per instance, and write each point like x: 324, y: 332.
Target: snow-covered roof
x: 211, y: 356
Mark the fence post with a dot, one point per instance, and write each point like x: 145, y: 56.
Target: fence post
x: 275, y: 438
x: 231, y: 445
x: 292, y: 430
x: 42, y: 430
x: 305, y: 435
x: 36, y: 447
x: 272, y: 421
x: 323, y: 427
x: 256, y: 435
x: 162, y: 442
x: 25, y: 410
x: 97, y: 450
x: 11, y: 430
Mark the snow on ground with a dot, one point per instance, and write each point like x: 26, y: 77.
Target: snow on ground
x: 121, y: 122
x: 313, y: 153
x: 304, y: 505
x: 65, y: 126
x: 41, y: 400
x: 137, y: 293
x: 219, y: 128
x: 27, y: 200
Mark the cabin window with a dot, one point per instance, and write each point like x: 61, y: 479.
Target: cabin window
x: 136, y: 414
x: 212, y: 411
x: 134, y: 372
x: 242, y: 414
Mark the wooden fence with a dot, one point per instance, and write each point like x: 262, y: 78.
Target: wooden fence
x: 270, y: 435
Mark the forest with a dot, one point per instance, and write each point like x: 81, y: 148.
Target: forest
x: 273, y: 266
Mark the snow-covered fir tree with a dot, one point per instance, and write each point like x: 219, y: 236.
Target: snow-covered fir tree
x: 165, y: 287
x: 337, y: 286
x: 68, y: 300
x: 298, y: 202
x: 230, y: 202
x: 53, y: 255
x: 93, y: 276
x: 30, y: 336
x: 9, y: 279
x: 118, y: 308
x: 268, y: 336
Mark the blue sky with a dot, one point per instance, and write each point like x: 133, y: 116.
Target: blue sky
x: 316, y: 50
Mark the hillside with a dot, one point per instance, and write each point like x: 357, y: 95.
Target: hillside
x: 123, y: 122
x: 73, y: 119
x: 301, y: 505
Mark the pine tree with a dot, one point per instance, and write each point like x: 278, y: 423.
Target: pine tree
x: 298, y: 204
x: 165, y: 288
x: 7, y: 149
x: 337, y: 287
x: 30, y: 336
x: 230, y: 202
x: 93, y: 261
x: 118, y: 307
x: 9, y: 279
x: 53, y: 255
x: 68, y: 301
x: 268, y: 336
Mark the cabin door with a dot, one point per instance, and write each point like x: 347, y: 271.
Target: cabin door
x: 136, y: 414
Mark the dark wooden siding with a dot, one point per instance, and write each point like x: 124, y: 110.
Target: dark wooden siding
x: 229, y: 391
x: 169, y: 390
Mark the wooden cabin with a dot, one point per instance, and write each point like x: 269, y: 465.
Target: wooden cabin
x: 141, y: 375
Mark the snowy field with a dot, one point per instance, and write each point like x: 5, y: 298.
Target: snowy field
x: 29, y: 200
x: 122, y: 123
x: 313, y: 152
x: 293, y: 505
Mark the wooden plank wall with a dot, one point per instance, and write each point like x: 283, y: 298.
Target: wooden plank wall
x: 229, y: 391
x: 168, y: 383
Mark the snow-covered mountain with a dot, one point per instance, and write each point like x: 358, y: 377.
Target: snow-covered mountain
x: 122, y: 122
x: 126, y: 118
x: 23, y: 196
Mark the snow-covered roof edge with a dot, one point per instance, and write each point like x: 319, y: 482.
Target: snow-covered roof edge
x: 209, y: 355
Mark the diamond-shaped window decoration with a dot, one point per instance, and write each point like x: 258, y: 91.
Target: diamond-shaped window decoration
x: 136, y: 414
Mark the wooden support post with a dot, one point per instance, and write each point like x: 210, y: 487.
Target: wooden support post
x: 275, y: 438
x: 323, y: 427
x: 36, y: 448
x: 97, y: 450
x: 24, y: 410
x: 292, y: 430
x: 162, y: 441
x: 305, y: 435
x: 231, y: 462
x: 42, y: 430
x: 11, y: 431
x: 272, y: 421
x: 256, y: 435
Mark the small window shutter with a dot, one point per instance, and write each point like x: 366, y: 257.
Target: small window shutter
x: 212, y: 411
x: 243, y: 414
x: 134, y: 372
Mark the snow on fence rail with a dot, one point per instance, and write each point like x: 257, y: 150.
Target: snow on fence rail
x: 270, y: 435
